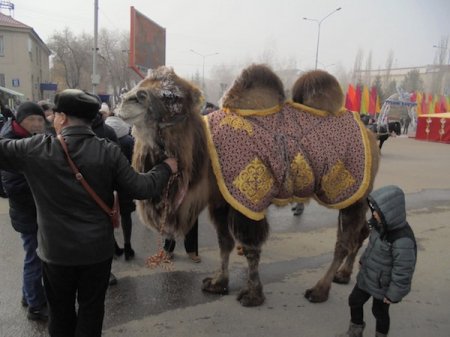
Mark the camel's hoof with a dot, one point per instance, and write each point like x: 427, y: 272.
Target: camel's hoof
x: 341, y: 278
x: 215, y: 287
x: 249, y: 298
x: 315, y: 296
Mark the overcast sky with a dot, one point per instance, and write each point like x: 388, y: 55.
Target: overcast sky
x: 241, y: 31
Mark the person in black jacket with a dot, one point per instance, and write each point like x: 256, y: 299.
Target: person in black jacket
x: 30, y: 120
x: 75, y: 237
x: 104, y: 131
x: 190, y: 244
x: 387, y: 265
x: 6, y: 111
x: 127, y: 205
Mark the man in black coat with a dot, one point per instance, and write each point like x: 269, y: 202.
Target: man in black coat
x: 76, y: 240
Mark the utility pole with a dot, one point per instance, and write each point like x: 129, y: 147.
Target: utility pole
x: 95, y: 77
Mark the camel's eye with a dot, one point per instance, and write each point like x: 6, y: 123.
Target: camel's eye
x: 132, y: 99
x: 141, y: 96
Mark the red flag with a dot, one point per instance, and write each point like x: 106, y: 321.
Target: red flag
x: 443, y: 104
x: 357, y: 105
x: 350, y: 98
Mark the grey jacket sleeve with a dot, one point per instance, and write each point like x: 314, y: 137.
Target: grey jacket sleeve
x: 404, y: 261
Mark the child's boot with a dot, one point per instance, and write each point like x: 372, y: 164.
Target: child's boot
x: 354, y: 330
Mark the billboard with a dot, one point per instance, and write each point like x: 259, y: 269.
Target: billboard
x: 147, y: 43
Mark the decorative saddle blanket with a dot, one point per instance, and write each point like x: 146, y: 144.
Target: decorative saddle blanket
x: 288, y: 153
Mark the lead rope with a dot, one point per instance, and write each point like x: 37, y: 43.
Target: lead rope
x: 161, y: 259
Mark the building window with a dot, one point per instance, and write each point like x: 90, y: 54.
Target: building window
x: 2, y: 46
x: 30, y: 49
x: 2, y: 80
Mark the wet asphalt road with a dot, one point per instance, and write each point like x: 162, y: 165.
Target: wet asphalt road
x: 157, y: 302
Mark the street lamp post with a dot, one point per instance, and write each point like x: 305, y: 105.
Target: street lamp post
x: 95, y: 77
x: 204, y: 56
x: 319, y: 22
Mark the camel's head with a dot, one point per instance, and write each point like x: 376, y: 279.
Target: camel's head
x: 160, y: 101
x: 320, y: 90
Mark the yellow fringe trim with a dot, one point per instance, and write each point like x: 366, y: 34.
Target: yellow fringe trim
x: 251, y: 112
x: 284, y: 202
x: 314, y: 111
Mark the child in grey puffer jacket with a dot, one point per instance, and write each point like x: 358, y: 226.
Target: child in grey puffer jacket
x: 387, y: 265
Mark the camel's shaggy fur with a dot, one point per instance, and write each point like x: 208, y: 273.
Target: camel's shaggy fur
x: 165, y: 111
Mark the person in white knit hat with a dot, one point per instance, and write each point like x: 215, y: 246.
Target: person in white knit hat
x: 127, y: 205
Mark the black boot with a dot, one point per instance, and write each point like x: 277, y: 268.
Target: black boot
x: 129, y: 252
x: 117, y: 250
x: 39, y: 313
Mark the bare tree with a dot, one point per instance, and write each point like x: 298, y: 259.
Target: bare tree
x: 441, y: 66
x: 412, y: 81
x: 113, y: 52
x: 356, y: 78
x: 73, y: 56
x: 343, y: 75
x: 378, y: 84
x: 222, y: 77
x: 389, y: 63
x: 368, y: 77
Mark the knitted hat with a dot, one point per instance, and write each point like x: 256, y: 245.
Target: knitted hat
x: 104, y: 108
x: 28, y: 109
x: 77, y: 103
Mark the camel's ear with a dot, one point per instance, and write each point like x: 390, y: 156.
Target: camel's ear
x: 142, y: 96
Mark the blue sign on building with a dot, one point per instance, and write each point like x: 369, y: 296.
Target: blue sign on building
x: 15, y: 82
x: 49, y: 86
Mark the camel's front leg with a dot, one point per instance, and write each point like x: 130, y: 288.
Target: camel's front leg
x: 252, y: 295
x: 218, y: 284
x: 344, y: 273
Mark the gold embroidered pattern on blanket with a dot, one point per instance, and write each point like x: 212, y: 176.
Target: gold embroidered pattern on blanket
x: 254, y: 181
x: 237, y: 123
x: 302, y: 173
x: 337, y: 180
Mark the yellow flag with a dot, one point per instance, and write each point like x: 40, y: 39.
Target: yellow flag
x: 365, y: 101
x: 419, y: 103
x: 377, y: 106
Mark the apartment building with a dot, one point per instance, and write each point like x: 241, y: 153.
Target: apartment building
x: 24, y: 62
